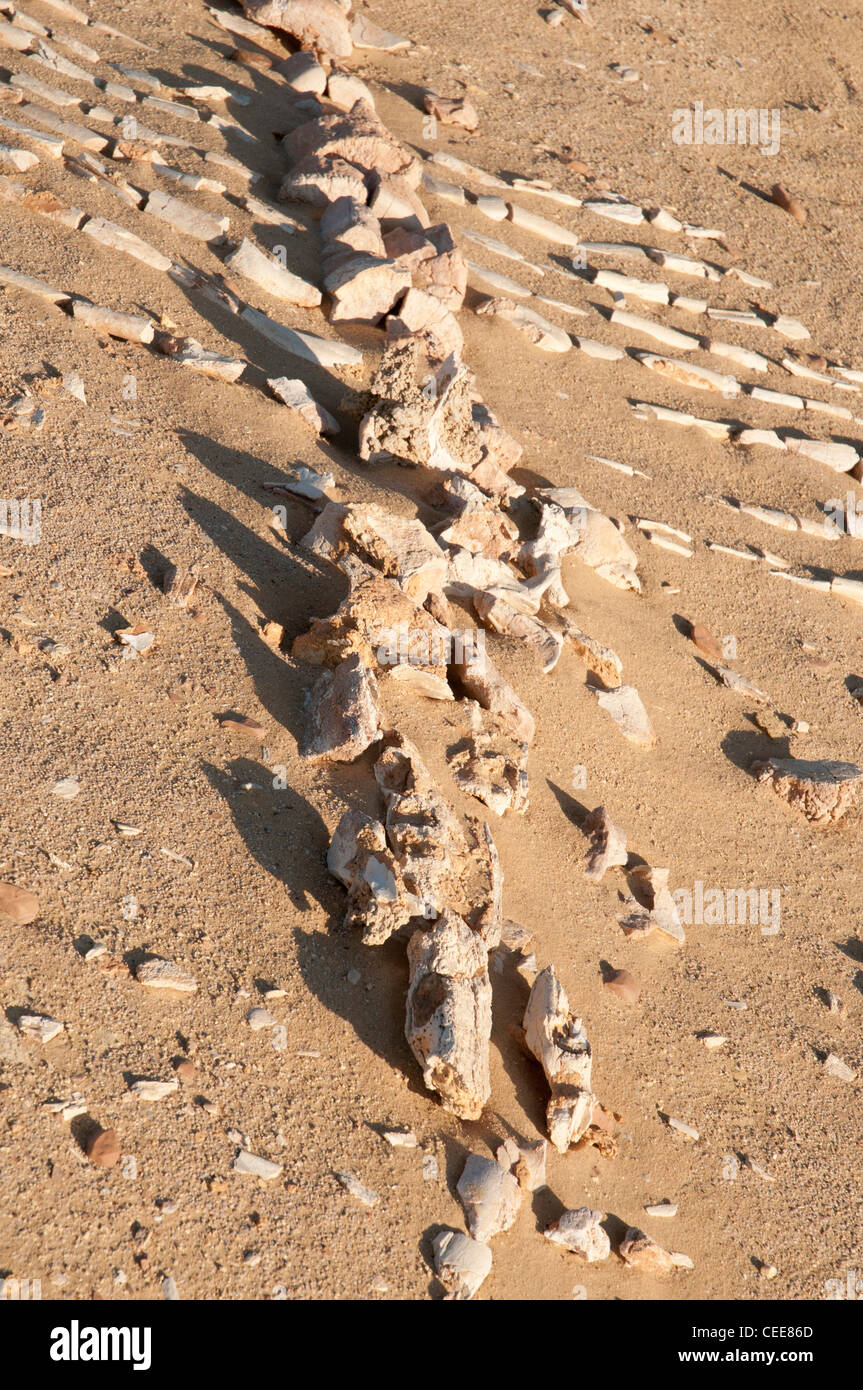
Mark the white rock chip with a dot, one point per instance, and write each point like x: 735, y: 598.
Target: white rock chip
x: 39, y: 1027
x: 579, y: 1230
x: 256, y: 1166
x: 358, y: 1190
x: 154, y: 1090
x: 625, y: 706
x: 165, y: 974
x: 461, y: 1264
x: 490, y: 1195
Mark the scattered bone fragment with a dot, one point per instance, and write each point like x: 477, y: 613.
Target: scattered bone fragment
x: 367, y: 34
x: 840, y: 457
x: 665, y: 542
x: 179, y: 584
x: 640, y: 1252
x: 20, y: 160
x: 499, y: 615
x: 188, y: 352
x: 580, y: 1231
x: 688, y: 1131
x: 490, y: 1195
x: 154, y: 1090
x: 452, y: 110
x: 663, y: 1209
x: 783, y: 199
x: 672, y: 337
x: 527, y: 1161
x: 495, y: 776
x: 296, y: 396
x: 357, y: 1189
x: 542, y: 190
x: 616, y: 211
x: 39, y: 1027
x: 255, y: 1166
x: 400, y: 1138
x: 266, y: 272
x: 607, y: 847
x: 158, y: 973
x: 541, y: 226
x: 823, y: 791
x: 461, y: 1264
x: 687, y: 374
x: 834, y: 1066
x: 359, y: 857
x: 625, y: 706
x: 744, y: 357
x: 318, y: 24
x: 790, y: 328
x: 32, y: 286
x: 741, y: 685
x: 185, y: 218
x: 656, y: 909
x: 648, y: 290
x: 592, y: 348
x: 449, y: 1013
x: 601, y: 660
x: 343, y: 716
x: 118, y: 239
x: 484, y: 683
x: 712, y: 1041
x: 130, y: 327
x: 559, y: 1042
x: 13, y: 37
x: 683, y: 265
x: 537, y: 329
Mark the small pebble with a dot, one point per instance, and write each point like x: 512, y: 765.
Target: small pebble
x: 260, y: 1018
x: 103, y: 1148
x: 624, y: 985
x: 357, y: 1189
x: 662, y: 1209
x: 713, y: 1040
x: 39, y: 1027
x: 834, y: 1066
x: 400, y: 1138
x: 682, y: 1128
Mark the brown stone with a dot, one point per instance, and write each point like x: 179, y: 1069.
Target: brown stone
x: 103, y: 1148
x: 704, y: 640
x: 624, y: 985
x: 19, y: 904
x: 452, y: 111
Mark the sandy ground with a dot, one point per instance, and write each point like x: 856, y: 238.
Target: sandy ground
x: 174, y: 474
